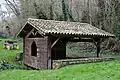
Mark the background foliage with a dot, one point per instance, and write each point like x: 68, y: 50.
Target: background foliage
x: 118, y: 31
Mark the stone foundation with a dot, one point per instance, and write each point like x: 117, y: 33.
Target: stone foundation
x: 64, y: 62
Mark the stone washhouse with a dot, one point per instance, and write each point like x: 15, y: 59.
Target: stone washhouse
x: 45, y: 40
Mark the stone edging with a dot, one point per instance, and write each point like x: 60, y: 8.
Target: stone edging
x: 64, y: 62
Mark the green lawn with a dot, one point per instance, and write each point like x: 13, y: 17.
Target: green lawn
x: 9, y: 55
x: 93, y: 71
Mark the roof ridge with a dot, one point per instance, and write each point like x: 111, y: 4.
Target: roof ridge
x: 56, y: 20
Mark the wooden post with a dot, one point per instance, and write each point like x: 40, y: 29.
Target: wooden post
x: 98, y: 48
x: 24, y: 49
x: 49, y: 63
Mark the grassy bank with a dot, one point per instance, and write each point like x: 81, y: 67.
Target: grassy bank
x: 93, y: 71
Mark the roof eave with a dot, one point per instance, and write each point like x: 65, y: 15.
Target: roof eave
x: 18, y: 34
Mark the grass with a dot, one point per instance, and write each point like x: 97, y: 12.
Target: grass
x: 9, y: 55
x: 92, y: 71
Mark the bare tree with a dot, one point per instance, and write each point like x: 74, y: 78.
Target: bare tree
x: 14, y: 7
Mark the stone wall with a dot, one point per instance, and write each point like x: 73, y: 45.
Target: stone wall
x: 64, y: 62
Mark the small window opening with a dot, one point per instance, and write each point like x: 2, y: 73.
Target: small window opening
x: 33, y: 49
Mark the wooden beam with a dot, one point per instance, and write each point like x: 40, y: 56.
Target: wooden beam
x: 29, y: 33
x: 55, y: 42
x: 80, y: 40
x: 36, y: 33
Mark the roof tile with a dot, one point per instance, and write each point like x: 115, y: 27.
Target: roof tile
x: 65, y: 27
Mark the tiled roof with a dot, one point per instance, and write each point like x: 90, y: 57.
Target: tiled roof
x: 67, y: 28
